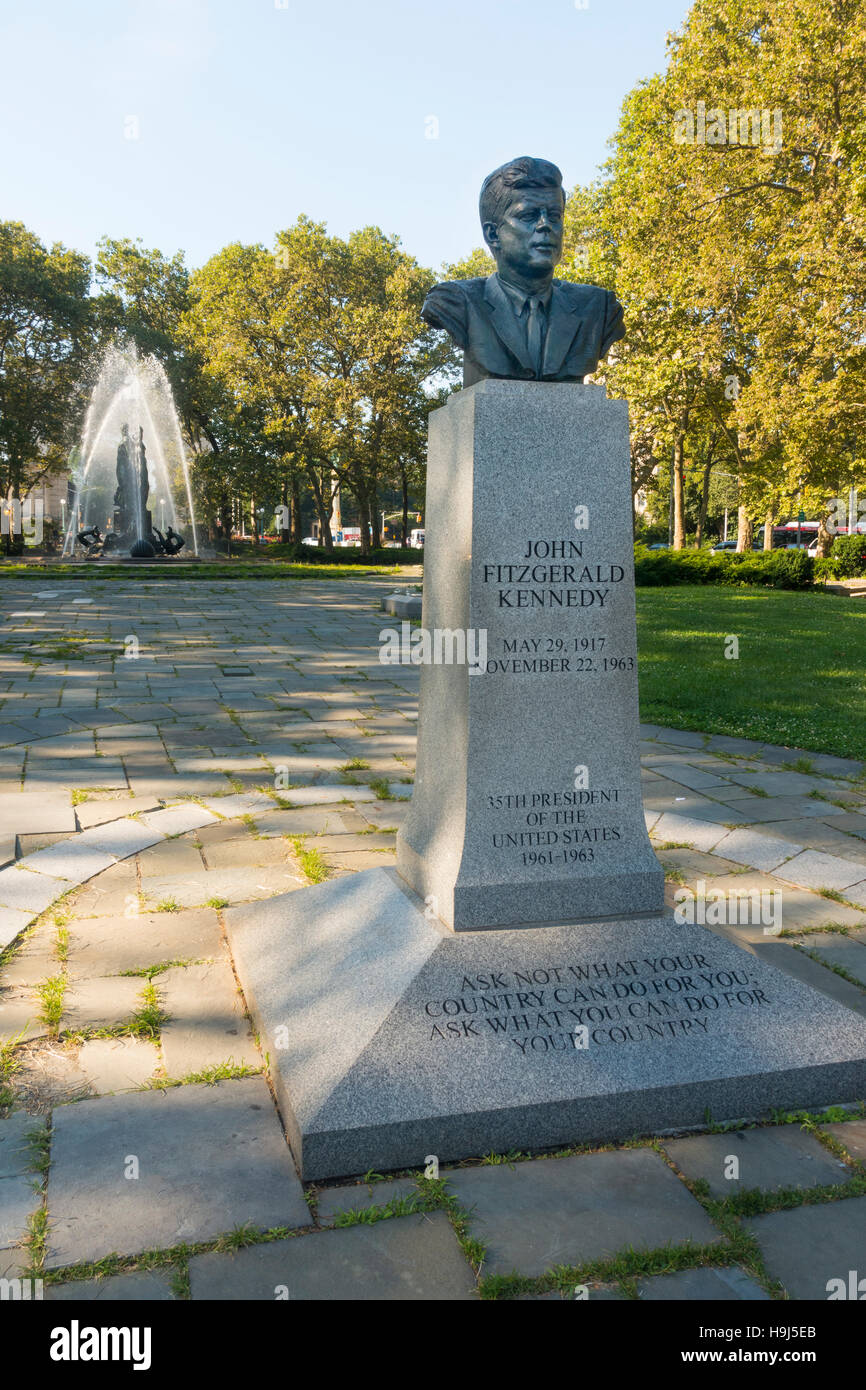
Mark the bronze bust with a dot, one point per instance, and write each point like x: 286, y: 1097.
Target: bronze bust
x: 520, y: 323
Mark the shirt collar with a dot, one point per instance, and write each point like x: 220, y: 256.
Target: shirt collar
x: 519, y: 298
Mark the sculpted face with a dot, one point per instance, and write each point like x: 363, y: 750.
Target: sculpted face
x: 527, y: 243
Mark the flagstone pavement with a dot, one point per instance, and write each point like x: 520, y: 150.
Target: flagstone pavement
x: 170, y: 749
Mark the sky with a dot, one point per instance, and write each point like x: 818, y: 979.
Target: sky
x: 193, y: 123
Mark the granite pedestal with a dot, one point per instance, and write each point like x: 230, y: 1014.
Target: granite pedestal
x: 527, y: 805
x: 391, y: 1038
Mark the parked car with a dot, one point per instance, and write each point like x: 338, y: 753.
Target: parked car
x: 659, y: 545
x: 722, y: 546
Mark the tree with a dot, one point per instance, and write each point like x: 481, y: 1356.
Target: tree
x: 44, y: 335
x: 730, y: 221
x: 323, y: 341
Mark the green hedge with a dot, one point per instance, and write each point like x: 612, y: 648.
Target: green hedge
x: 351, y: 555
x: 776, y: 569
x: 847, y: 559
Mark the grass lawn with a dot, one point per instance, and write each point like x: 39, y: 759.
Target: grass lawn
x: 800, y: 679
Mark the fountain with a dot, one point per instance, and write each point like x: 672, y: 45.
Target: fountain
x: 131, y: 461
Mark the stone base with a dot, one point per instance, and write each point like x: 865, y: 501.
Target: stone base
x: 391, y: 1039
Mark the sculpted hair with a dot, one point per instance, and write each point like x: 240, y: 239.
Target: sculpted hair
x: 499, y: 188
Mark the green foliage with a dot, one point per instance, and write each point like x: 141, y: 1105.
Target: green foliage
x: 777, y: 569
x: 44, y: 338
x: 321, y: 350
x: 848, y: 557
x: 354, y: 555
x: 741, y: 261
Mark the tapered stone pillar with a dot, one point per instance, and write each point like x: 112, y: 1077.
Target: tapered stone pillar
x: 527, y: 805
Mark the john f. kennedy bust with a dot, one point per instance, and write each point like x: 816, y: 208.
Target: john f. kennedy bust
x: 520, y: 322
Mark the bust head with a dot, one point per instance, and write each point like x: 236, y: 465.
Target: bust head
x: 522, y: 205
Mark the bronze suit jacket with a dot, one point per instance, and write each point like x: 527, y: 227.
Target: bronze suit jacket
x: 583, y: 321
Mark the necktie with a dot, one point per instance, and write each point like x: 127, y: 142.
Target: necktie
x: 535, y: 333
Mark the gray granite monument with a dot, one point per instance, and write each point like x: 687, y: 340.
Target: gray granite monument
x: 515, y: 982
x: 527, y: 805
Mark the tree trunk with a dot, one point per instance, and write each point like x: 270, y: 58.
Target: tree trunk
x: 373, y: 504
x: 324, y: 512
x: 705, y: 502
x: 285, y: 528
x: 296, y: 528
x: 825, y: 536
x: 744, y: 524
x: 769, y: 519
x: 679, y: 495
x: 323, y: 507
x: 404, y: 483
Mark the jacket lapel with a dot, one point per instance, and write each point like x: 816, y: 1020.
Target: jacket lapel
x: 504, y: 321
x: 563, y: 324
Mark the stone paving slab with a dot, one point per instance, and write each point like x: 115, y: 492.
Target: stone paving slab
x: 242, y: 1173
x: 726, y: 1285
x: 238, y: 805
x: 700, y: 834
x: 565, y: 1211
x: 834, y: 949
x: 177, y: 819
x: 800, y: 907
x: 207, y: 1022
x: 136, y: 1286
x: 756, y: 850
x: 13, y: 1262
x: 171, y: 857
x: 361, y: 1196
x: 687, y: 775
x: 401, y: 1259
x: 101, y: 1003
x: 771, y: 1158
x: 15, y: 1150
x: 327, y: 796
x: 71, y: 775
x: 816, y: 834
x: 801, y: 967
x: 812, y: 869
x: 851, y: 1133
x: 228, y: 885
x: 34, y: 962
x: 857, y: 893
x: 309, y: 821
x: 808, y: 1247
x: 361, y: 859
x: 19, y: 1016
x: 75, y: 860
x: 17, y: 1200
x: 25, y: 813
x: 111, y: 945
x: 114, y: 892
x: 245, y: 852
x: 852, y: 822
x: 120, y: 838
x: 12, y: 921
x: 117, y: 1064
x: 29, y: 891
